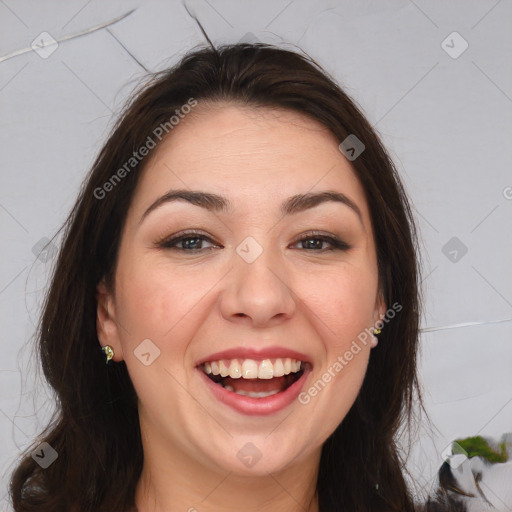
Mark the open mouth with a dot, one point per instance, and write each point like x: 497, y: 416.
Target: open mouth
x: 255, y: 379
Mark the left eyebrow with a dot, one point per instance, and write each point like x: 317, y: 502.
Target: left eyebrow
x: 214, y: 202
x: 301, y: 202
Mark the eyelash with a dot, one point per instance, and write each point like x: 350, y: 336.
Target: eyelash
x: 169, y: 243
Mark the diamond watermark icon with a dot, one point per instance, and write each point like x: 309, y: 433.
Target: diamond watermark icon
x: 249, y: 454
x: 44, y: 455
x: 44, y: 45
x: 454, y: 249
x: 44, y: 250
x: 249, y: 250
x: 351, y: 147
x: 249, y: 38
x: 146, y: 352
x: 454, y: 45
x: 455, y: 455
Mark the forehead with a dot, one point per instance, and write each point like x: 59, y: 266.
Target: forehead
x: 254, y: 156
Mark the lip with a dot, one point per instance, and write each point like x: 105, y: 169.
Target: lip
x: 256, y: 406
x: 256, y: 354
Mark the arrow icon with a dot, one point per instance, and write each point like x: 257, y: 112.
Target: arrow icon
x: 454, y: 45
x: 247, y: 252
x: 454, y: 249
x: 249, y: 454
x: 44, y: 455
x: 147, y: 352
x: 351, y: 147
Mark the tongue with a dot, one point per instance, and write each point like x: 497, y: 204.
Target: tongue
x: 256, y: 385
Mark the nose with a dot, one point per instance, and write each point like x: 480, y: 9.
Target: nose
x: 258, y: 293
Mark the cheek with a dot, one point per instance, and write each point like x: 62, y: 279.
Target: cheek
x: 344, y: 301
x: 152, y: 299
x: 341, y: 305
x: 156, y: 302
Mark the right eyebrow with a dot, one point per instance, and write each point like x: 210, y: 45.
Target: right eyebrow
x: 207, y: 200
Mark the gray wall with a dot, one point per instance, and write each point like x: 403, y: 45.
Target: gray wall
x: 444, y: 113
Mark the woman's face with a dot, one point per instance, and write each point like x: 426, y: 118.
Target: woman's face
x: 249, y: 278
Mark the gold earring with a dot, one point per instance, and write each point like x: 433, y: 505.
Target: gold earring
x: 109, y: 353
x: 377, y: 331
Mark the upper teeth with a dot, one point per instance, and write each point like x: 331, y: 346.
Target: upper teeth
x: 251, y: 369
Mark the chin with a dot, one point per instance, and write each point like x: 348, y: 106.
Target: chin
x: 255, y: 456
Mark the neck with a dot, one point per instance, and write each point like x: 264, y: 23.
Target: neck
x: 225, y: 494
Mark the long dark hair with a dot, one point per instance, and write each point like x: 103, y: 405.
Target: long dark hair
x: 96, y: 429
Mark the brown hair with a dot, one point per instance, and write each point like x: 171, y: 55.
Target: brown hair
x: 96, y: 429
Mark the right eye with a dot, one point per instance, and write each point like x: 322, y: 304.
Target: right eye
x: 188, y: 242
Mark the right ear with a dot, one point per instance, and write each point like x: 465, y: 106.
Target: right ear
x: 106, y: 325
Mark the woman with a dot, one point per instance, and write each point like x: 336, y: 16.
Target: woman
x: 243, y: 256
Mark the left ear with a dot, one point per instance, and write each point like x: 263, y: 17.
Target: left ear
x: 380, y: 309
x: 379, y: 312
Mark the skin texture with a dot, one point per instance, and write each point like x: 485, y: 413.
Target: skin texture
x: 192, y: 304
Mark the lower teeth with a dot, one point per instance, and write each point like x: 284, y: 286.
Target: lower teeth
x: 252, y: 394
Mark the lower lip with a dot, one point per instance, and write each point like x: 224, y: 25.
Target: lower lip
x: 256, y: 406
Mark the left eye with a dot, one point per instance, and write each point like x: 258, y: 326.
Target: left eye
x: 314, y: 242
